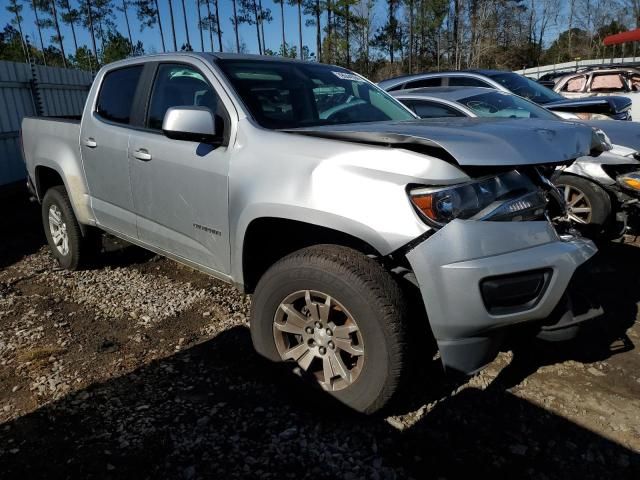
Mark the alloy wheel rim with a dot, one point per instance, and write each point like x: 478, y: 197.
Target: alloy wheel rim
x: 578, y: 206
x: 58, y: 229
x: 316, y: 331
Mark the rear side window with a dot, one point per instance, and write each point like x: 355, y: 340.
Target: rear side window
x: 608, y: 82
x: 466, y: 82
x: 425, y: 82
x: 397, y: 87
x: 426, y: 109
x: 115, y: 99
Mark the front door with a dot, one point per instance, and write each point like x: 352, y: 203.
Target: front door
x: 180, y: 188
x: 104, y: 141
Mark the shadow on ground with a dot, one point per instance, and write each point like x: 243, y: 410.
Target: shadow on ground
x: 21, y: 229
x: 217, y: 410
x: 22, y: 234
x: 212, y: 409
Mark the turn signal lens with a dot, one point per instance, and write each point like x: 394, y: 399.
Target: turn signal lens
x: 630, y: 181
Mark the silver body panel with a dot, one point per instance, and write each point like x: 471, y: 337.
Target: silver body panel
x: 624, y: 135
x: 591, y: 167
x: 450, y: 265
x: 194, y: 203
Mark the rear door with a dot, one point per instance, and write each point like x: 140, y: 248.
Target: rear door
x: 180, y: 188
x: 104, y: 141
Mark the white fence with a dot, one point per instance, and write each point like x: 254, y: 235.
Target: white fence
x: 27, y: 90
x: 537, y: 72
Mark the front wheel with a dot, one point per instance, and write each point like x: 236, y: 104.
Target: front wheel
x: 340, y: 316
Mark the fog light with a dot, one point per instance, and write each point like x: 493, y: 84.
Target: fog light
x: 514, y: 292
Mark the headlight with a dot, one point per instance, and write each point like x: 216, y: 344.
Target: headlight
x: 507, y: 197
x: 630, y: 181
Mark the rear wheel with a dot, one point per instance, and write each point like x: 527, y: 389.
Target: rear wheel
x: 588, y: 205
x: 62, y: 230
x: 340, y: 316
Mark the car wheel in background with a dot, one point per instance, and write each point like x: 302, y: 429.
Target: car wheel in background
x: 588, y: 206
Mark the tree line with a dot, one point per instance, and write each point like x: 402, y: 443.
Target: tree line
x: 377, y: 38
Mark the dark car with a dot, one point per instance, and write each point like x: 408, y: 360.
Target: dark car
x: 617, y: 108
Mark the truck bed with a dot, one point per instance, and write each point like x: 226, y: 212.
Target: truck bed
x: 50, y: 141
x: 53, y: 145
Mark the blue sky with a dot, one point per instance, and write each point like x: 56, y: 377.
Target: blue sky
x: 151, y: 37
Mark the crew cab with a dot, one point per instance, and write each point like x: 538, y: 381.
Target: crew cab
x: 340, y: 211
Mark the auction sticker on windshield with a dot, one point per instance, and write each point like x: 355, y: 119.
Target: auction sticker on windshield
x: 348, y: 76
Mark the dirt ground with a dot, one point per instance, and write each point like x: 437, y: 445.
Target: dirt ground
x: 139, y: 367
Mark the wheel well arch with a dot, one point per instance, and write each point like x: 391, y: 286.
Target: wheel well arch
x: 45, y: 178
x: 268, y: 239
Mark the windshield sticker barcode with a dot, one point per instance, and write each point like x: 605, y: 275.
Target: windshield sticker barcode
x: 347, y: 76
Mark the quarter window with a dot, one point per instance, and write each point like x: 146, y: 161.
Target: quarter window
x: 117, y: 92
x: 178, y: 86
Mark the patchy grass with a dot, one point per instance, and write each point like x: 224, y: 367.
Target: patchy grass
x: 39, y: 355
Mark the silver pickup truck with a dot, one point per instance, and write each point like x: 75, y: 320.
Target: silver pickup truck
x: 315, y: 191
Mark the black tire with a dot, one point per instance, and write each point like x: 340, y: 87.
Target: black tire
x: 366, y: 290
x: 78, y: 246
x: 602, y: 221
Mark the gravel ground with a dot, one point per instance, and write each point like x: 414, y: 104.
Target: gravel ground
x: 139, y: 367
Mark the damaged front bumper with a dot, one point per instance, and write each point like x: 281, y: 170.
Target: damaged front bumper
x: 477, y: 278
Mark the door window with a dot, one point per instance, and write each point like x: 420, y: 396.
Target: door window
x: 607, y: 82
x: 117, y: 92
x: 575, y: 84
x: 178, y: 86
x: 425, y: 82
x: 466, y: 82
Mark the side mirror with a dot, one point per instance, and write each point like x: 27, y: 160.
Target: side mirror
x: 195, y: 124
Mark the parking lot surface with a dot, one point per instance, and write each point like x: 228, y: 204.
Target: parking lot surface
x: 139, y: 367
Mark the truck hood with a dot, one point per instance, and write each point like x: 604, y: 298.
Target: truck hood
x: 473, y: 141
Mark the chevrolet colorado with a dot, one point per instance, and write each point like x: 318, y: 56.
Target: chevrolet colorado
x: 328, y: 200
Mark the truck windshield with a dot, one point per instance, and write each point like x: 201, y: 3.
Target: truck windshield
x: 284, y: 95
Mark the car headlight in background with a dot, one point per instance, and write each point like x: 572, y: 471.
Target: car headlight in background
x: 509, y: 196
x: 604, y: 138
x: 630, y: 181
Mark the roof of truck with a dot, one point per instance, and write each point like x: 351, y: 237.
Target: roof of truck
x: 225, y: 56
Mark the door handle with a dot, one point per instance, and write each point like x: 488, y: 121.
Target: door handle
x: 90, y: 142
x: 142, y: 154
